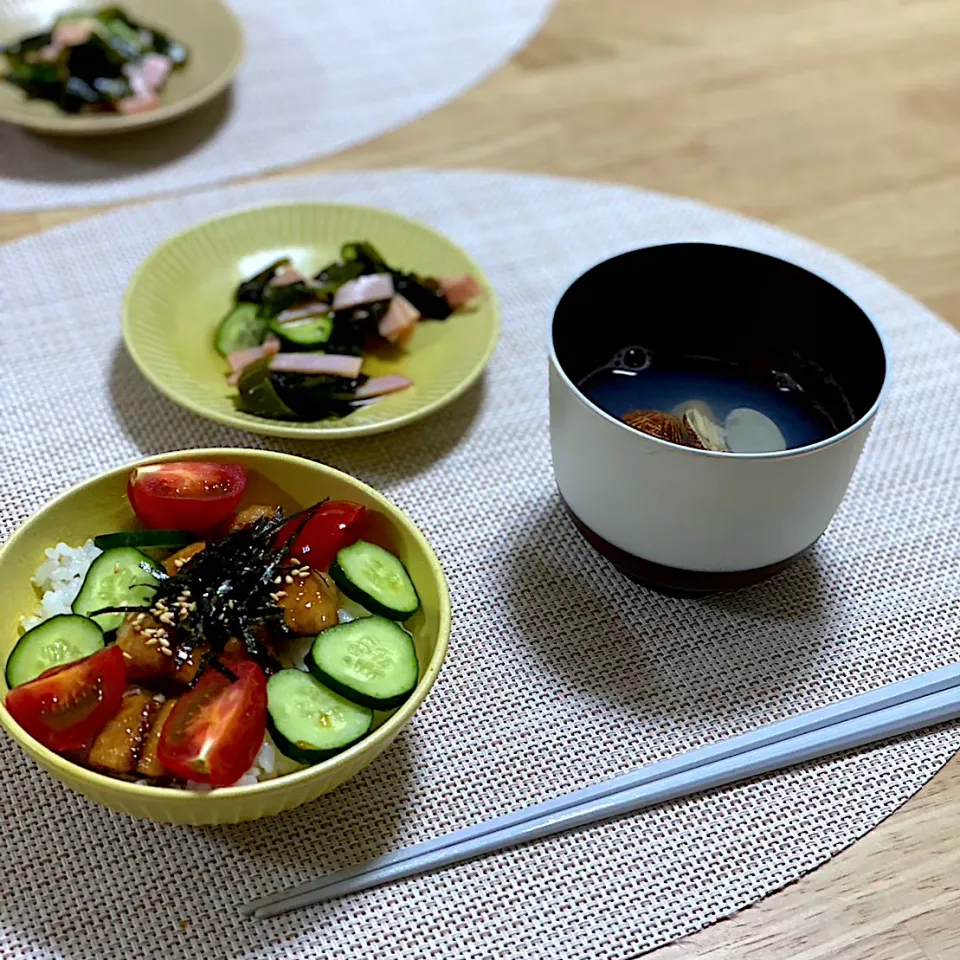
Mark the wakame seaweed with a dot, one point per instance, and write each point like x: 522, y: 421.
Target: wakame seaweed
x: 316, y: 397
x: 277, y: 299
x: 252, y: 290
x: 425, y: 294
x: 295, y: 395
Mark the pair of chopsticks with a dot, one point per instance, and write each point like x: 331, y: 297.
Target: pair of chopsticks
x: 889, y: 711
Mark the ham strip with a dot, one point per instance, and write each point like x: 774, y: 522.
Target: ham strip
x: 313, y: 309
x: 68, y: 33
x: 287, y: 276
x: 368, y: 289
x: 398, y: 322
x: 155, y: 69
x: 138, y: 103
x: 324, y: 364
x: 459, y: 291
x: 380, y: 386
x: 146, y: 78
x: 240, y: 359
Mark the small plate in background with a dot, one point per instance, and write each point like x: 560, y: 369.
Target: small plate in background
x: 210, y: 31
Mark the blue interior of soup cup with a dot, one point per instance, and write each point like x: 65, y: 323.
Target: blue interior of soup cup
x: 737, y: 306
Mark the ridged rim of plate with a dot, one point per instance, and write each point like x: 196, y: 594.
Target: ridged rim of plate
x: 389, y: 728
x: 292, y: 429
x: 20, y: 114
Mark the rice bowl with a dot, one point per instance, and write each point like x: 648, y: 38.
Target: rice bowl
x: 98, y: 505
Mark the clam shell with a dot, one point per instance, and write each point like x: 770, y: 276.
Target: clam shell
x: 750, y: 431
x: 664, y: 426
x: 681, y: 408
x: 702, y: 431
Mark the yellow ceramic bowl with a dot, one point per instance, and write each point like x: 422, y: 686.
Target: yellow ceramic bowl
x: 100, y: 506
x: 182, y: 290
x: 208, y: 28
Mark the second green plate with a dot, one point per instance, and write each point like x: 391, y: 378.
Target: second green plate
x: 182, y: 290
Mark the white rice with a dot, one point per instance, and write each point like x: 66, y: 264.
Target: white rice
x: 268, y: 763
x: 58, y: 580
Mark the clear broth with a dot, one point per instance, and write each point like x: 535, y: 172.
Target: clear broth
x: 635, y: 379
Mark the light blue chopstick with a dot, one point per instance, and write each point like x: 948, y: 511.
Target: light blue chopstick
x: 879, y: 725
x: 888, y: 711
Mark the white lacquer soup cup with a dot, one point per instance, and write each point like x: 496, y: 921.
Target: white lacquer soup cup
x: 691, y: 521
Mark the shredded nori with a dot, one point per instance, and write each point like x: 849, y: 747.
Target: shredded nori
x: 230, y: 583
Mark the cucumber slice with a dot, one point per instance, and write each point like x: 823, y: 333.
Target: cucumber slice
x: 308, y: 721
x: 375, y: 579
x: 59, y: 640
x: 371, y: 661
x: 242, y: 327
x: 144, y: 539
x: 117, y: 578
x: 311, y: 333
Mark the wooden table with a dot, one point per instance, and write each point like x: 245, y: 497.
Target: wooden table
x: 837, y: 119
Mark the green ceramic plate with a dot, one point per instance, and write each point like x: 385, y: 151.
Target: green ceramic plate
x: 209, y: 29
x: 182, y: 290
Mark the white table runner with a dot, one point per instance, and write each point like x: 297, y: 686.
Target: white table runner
x: 319, y: 76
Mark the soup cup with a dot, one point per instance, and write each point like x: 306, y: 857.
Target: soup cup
x: 690, y: 521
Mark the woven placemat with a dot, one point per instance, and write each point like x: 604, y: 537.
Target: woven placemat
x: 318, y: 78
x: 560, y: 673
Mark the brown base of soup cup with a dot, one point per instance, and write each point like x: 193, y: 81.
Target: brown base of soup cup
x: 674, y: 581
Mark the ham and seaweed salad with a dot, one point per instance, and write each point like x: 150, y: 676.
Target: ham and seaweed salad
x: 295, y: 344
x: 95, y: 61
x: 214, y: 646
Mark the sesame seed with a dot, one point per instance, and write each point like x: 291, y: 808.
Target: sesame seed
x: 126, y: 656
x: 152, y: 642
x: 179, y: 562
x: 191, y: 607
x: 303, y: 572
x: 278, y: 579
x: 139, y: 618
x: 307, y: 606
x: 166, y: 651
x: 288, y: 579
x: 116, y: 568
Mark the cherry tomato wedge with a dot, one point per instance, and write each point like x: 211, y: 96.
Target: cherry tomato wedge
x: 214, y: 732
x: 66, y: 707
x: 332, y: 526
x: 185, y: 496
